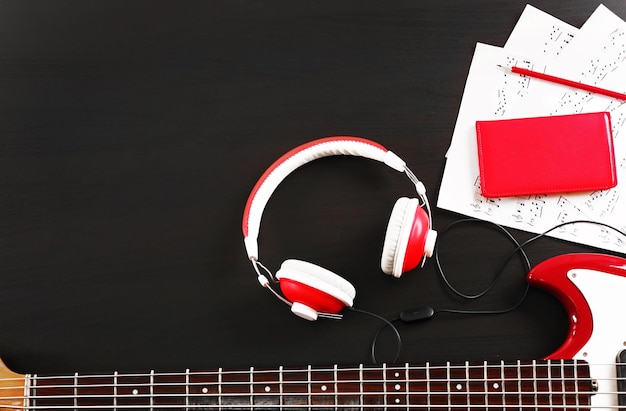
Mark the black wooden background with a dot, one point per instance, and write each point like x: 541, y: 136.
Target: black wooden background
x: 131, y: 133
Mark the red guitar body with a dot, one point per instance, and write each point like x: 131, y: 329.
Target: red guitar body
x: 592, y: 287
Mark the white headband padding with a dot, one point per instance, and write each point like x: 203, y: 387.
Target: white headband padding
x: 325, y: 149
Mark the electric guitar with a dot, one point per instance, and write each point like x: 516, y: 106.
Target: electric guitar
x: 586, y: 372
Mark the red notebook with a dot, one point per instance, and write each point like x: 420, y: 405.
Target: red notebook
x: 543, y: 155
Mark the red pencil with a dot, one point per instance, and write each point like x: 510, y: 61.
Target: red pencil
x: 566, y: 82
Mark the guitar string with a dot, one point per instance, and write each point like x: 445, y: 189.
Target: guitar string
x: 449, y: 369
x: 313, y: 406
x: 322, y: 407
x: 542, y: 365
x: 510, y: 405
x: 451, y: 395
x: 370, y: 393
x: 157, y: 375
x: 292, y: 384
x: 328, y: 394
x: 463, y: 384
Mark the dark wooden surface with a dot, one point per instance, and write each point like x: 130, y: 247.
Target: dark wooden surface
x: 132, y: 132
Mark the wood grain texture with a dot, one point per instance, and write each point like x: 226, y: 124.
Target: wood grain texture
x: 12, y: 388
x: 132, y: 132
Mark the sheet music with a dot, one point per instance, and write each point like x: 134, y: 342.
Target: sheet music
x: 538, y: 35
x: 492, y: 93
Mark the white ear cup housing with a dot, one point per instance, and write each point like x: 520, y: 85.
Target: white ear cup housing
x: 408, y: 238
x: 397, y: 229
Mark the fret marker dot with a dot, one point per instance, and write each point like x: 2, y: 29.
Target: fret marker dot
x: 205, y: 390
x: 268, y: 388
x: 397, y: 387
x: 397, y: 374
x: 397, y: 401
x: 496, y: 385
x: 324, y: 388
x: 135, y: 391
x: 459, y: 387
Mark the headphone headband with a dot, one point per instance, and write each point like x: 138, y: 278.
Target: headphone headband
x: 297, y: 157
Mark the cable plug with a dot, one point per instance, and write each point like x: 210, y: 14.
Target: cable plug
x: 417, y: 314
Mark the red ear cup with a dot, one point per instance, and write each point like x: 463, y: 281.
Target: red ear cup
x: 408, y: 238
x: 421, y: 241
x: 313, y: 289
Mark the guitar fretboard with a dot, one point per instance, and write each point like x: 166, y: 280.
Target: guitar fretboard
x: 554, y: 385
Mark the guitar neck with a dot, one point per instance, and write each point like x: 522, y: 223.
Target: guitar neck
x: 557, y: 385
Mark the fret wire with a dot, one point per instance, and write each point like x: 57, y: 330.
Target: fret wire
x: 75, y: 390
x: 308, y: 373
x: 219, y: 388
x: 384, y: 371
x: 519, y: 383
x: 563, y: 382
x: 407, y: 388
x: 502, y: 379
x: 336, y: 377
x: 361, y: 394
x: 448, y: 382
x: 280, y: 389
x: 534, y: 369
x: 550, y: 383
x: 115, y: 381
x: 151, y: 389
x: 187, y: 389
x: 467, y: 382
x: 427, y: 385
x: 485, y: 384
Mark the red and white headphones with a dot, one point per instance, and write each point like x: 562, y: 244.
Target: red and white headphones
x: 311, y: 290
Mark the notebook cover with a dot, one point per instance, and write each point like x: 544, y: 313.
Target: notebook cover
x: 543, y: 155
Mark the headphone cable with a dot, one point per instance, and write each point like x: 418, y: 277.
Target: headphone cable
x: 426, y: 312
x: 387, y: 323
